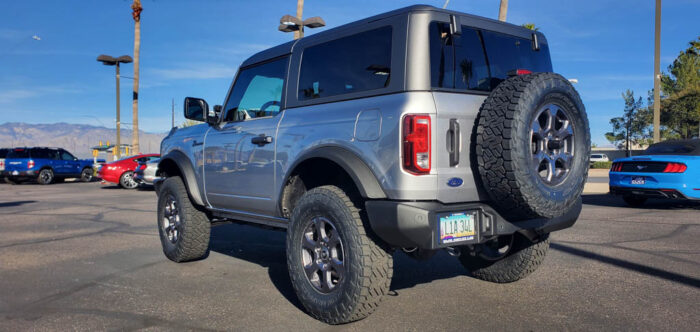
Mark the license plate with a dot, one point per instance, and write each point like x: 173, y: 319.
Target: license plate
x: 15, y: 173
x: 638, y: 180
x: 457, y: 227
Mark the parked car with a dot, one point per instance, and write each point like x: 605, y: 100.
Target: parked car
x: 420, y: 130
x: 45, y: 165
x: 145, y: 173
x: 3, y: 154
x: 121, y: 171
x: 598, y: 157
x: 668, y: 169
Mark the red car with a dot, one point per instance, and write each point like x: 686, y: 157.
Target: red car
x: 121, y: 171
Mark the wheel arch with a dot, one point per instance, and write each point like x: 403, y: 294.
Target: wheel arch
x: 336, y: 162
x: 176, y: 163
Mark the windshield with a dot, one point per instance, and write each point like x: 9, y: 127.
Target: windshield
x: 18, y: 154
x: 691, y: 148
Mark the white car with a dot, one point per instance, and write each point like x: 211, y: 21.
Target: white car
x: 598, y: 157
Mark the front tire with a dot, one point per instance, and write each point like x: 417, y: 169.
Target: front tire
x: 506, y: 259
x: 86, y: 175
x: 45, y: 176
x: 338, y: 271
x: 127, y: 181
x: 184, y: 230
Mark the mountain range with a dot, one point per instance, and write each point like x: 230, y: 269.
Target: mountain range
x: 76, y: 138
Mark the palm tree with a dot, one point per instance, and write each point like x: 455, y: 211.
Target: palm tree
x: 530, y: 26
x: 136, y: 8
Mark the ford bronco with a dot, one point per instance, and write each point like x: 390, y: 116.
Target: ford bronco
x: 419, y: 130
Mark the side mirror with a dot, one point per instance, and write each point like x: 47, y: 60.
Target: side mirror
x: 195, y: 109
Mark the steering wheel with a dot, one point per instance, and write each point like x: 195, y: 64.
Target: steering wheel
x: 264, y: 106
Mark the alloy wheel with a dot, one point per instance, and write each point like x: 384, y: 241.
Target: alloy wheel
x: 552, y: 144
x: 322, y: 255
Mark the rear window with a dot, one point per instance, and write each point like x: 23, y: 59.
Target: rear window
x: 3, y: 153
x: 18, y: 154
x: 596, y: 156
x: 356, y: 63
x: 675, y: 148
x: 480, y: 59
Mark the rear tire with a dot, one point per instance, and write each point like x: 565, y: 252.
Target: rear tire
x: 532, y: 146
x: 522, y: 258
x: 45, y: 176
x: 126, y: 180
x: 327, y: 237
x: 634, y: 201
x: 184, y: 230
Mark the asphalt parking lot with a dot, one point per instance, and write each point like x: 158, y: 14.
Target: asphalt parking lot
x: 83, y: 256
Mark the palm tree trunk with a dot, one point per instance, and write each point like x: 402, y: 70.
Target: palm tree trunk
x: 503, y: 10
x: 136, y: 6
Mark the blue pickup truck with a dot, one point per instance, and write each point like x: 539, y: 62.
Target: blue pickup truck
x: 45, y: 165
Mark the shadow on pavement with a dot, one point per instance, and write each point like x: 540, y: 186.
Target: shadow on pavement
x: 17, y: 203
x: 267, y: 249
x: 648, y: 270
x: 616, y: 201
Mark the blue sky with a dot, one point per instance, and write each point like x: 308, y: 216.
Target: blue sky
x: 193, y: 48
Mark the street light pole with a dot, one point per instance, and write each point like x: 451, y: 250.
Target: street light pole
x: 300, y: 10
x: 289, y: 23
x: 112, y: 61
x: 657, y: 77
x: 119, y: 133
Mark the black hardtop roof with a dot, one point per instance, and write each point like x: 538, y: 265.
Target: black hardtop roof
x: 287, y: 47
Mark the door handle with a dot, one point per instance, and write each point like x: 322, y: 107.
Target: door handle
x: 195, y: 143
x: 261, y: 140
x: 453, y: 142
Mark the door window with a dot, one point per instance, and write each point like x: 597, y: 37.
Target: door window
x: 257, y: 92
x: 66, y: 156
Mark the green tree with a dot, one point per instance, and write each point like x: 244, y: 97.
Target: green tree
x: 680, y: 104
x: 530, y: 26
x: 632, y: 127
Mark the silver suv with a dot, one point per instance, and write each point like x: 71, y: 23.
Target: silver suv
x: 418, y: 130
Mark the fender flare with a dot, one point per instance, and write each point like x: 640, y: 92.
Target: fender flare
x: 363, y: 177
x: 182, y: 162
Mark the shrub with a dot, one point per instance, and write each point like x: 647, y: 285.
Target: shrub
x: 602, y: 164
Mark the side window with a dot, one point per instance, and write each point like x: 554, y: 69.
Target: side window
x: 39, y: 154
x: 52, y: 154
x: 66, y: 156
x: 257, y: 92
x: 350, y: 64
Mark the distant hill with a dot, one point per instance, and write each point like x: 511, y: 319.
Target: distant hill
x: 76, y: 138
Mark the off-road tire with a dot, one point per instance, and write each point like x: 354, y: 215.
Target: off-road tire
x: 634, y: 201
x: 124, y: 180
x: 368, y: 266
x: 46, y: 176
x: 524, y: 258
x: 87, y: 174
x: 503, y: 147
x: 195, y: 227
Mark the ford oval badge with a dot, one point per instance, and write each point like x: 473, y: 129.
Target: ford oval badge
x: 454, y: 182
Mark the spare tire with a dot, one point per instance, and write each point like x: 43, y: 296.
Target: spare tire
x: 532, y: 146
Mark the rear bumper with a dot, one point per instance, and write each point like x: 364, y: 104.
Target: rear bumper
x: 415, y: 224
x: 650, y: 193
x: 18, y: 175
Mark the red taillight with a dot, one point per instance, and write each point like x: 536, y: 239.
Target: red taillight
x: 142, y: 166
x: 416, y: 144
x: 675, y: 168
x: 518, y: 72
x: 616, y: 167
x: 30, y: 164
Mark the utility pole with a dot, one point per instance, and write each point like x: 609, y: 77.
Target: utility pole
x: 173, y: 112
x: 136, y: 7
x: 657, y: 76
x: 503, y: 11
